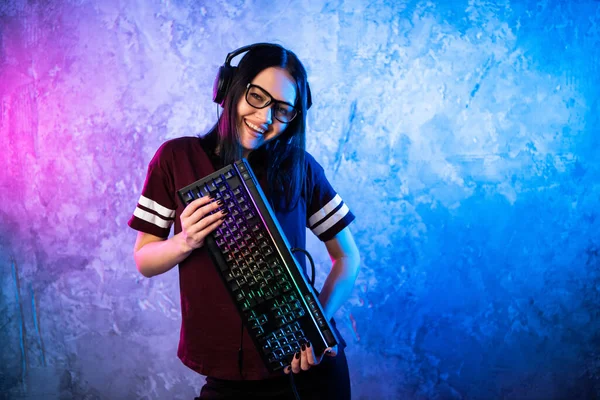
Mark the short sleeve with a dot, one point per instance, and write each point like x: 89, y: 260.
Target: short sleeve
x: 155, y: 211
x: 327, y: 213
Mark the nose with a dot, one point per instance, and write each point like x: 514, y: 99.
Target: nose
x: 266, y: 115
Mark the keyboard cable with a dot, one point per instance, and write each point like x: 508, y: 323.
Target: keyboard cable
x: 312, y: 264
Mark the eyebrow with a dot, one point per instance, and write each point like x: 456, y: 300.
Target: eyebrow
x: 274, y: 99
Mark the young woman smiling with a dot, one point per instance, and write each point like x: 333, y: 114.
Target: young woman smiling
x: 265, y: 100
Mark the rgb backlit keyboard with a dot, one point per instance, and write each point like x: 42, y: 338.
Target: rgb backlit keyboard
x: 277, y: 304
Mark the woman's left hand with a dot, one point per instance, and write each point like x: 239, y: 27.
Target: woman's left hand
x: 306, y: 358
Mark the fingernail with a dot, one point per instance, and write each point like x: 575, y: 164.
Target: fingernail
x: 297, y: 356
x: 303, y: 347
x: 308, y: 345
x: 220, y: 202
x: 224, y: 212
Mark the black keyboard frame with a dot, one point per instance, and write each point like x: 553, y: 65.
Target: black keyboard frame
x: 312, y: 323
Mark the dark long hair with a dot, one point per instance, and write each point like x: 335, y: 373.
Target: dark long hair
x: 281, y: 158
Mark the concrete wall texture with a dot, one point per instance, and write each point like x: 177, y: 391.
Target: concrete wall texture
x: 463, y: 135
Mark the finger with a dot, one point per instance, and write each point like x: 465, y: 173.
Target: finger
x: 304, y: 364
x: 310, y: 355
x: 201, y: 229
x: 194, y: 205
x: 208, y: 220
x: 199, y: 215
x: 213, y: 223
x: 287, y: 370
x: 331, y: 351
x: 205, y: 210
x: 197, y: 212
x: 295, y: 364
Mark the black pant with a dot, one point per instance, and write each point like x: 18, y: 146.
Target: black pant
x: 329, y: 380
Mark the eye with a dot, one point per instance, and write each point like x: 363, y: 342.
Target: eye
x: 256, y: 96
x: 283, y: 110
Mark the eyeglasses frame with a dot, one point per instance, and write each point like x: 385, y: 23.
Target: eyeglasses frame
x: 270, y: 102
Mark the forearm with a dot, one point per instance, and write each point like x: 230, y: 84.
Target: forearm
x: 156, y: 258
x: 339, y: 284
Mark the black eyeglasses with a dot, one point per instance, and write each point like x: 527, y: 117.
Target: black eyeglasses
x: 259, y: 98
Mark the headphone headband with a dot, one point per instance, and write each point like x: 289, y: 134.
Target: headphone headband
x: 244, y: 49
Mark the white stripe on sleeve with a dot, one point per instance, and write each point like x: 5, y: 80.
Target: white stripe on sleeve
x: 153, y: 219
x: 322, y: 213
x: 332, y: 220
x: 154, y: 206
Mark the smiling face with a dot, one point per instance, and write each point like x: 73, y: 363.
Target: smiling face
x: 258, y: 126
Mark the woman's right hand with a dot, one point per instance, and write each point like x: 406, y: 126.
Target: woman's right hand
x: 197, y: 222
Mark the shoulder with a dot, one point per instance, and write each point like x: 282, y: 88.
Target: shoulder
x: 315, y: 173
x: 311, y: 164
x: 182, y: 147
x: 309, y: 159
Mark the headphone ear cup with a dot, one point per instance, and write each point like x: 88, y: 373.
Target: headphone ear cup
x: 222, y: 83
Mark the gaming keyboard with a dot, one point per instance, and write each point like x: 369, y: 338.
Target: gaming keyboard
x: 276, y: 303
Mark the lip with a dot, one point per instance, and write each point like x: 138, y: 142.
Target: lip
x: 252, y: 131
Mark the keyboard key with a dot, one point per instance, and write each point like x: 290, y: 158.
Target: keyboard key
x: 188, y: 197
x: 245, y: 306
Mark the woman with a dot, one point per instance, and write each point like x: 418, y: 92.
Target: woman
x: 264, y: 100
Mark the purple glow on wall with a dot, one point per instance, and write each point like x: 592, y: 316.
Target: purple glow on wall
x: 463, y: 135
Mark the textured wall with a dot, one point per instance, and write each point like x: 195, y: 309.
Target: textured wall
x: 464, y: 136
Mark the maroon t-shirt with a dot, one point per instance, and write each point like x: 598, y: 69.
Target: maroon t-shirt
x: 211, y: 326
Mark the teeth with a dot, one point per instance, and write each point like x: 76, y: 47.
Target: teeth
x: 256, y: 128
